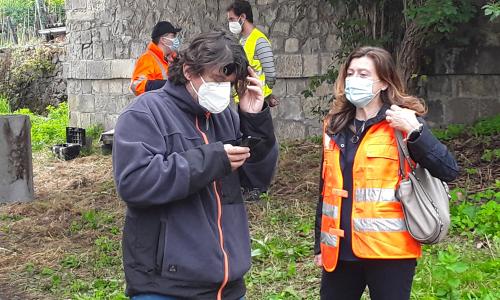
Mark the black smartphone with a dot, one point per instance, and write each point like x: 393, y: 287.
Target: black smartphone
x: 250, y: 142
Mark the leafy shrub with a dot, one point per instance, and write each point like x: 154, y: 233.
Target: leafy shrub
x: 488, y: 126
x: 490, y: 155
x: 479, y: 214
x: 451, y: 132
x: 50, y: 130
x: 4, y: 106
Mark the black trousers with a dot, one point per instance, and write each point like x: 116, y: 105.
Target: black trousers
x: 386, y: 279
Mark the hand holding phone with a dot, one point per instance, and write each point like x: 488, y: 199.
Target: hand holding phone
x: 250, y: 142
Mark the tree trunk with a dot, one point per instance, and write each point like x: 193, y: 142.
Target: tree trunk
x: 16, y: 168
x: 13, y: 30
x: 42, y: 13
x: 408, y: 53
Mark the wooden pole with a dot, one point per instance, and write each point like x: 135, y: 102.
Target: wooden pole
x: 16, y: 168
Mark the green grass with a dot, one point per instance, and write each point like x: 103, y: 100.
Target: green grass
x: 4, y: 106
x: 482, y: 128
x: 465, y: 266
x: 45, y: 131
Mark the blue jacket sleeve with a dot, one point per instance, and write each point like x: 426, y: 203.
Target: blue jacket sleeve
x: 431, y: 154
x: 146, y: 175
x: 258, y: 170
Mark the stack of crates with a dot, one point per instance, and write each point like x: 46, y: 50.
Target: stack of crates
x: 75, y: 140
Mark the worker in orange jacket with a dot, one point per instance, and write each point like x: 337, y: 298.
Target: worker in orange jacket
x: 151, y: 69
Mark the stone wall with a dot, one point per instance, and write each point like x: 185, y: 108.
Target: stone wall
x: 463, y: 76
x: 32, y: 76
x: 106, y: 36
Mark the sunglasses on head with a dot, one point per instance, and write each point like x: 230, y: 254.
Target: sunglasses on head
x: 229, y: 69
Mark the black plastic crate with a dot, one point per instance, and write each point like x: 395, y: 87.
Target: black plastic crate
x: 75, y: 135
x: 66, y: 151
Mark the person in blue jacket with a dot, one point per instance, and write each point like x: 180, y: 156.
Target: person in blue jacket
x: 178, y: 167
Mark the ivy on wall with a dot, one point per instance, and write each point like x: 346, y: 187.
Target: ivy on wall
x: 405, y: 28
x: 27, y: 73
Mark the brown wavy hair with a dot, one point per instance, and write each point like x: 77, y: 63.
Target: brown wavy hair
x: 216, y: 48
x: 342, y: 111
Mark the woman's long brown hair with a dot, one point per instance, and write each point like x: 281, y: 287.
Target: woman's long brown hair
x: 342, y: 111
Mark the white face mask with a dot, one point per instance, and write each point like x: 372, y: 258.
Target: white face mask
x: 213, y: 96
x: 359, y: 91
x: 235, y: 27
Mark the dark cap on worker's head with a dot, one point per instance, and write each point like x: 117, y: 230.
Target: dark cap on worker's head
x: 162, y: 28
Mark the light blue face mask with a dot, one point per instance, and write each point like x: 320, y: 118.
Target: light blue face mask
x: 176, y: 43
x: 359, y: 91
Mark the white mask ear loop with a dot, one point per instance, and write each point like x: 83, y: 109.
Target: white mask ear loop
x: 192, y: 85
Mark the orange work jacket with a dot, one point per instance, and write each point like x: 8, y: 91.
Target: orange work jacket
x: 151, y: 65
x: 377, y: 220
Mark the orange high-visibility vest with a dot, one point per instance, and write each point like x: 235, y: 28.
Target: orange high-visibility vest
x: 151, y: 65
x: 377, y: 221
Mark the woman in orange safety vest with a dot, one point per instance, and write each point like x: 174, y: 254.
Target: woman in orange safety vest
x: 361, y: 236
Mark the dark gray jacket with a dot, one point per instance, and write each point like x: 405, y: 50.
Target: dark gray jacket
x: 176, y: 187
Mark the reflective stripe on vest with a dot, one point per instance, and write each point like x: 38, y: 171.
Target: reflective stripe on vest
x: 329, y: 239
x: 160, y: 64
x: 375, y: 195
x: 249, y: 47
x: 330, y: 210
x: 378, y: 226
x: 135, y: 84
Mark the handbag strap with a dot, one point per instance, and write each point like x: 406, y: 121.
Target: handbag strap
x: 404, y: 154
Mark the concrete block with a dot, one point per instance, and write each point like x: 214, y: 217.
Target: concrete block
x: 136, y: 49
x: 311, y: 65
x: 121, y: 50
x: 108, y: 50
x: 291, y: 45
x: 98, y: 52
x: 16, y: 174
x: 104, y: 33
x: 290, y: 108
x: 86, y: 86
x: 282, y: 28
x: 79, y: 69
x: 85, y: 120
x: 289, y: 66
x: 74, y: 118
x: 122, y: 68
x: 312, y: 45
x: 475, y: 86
x: 295, y: 86
x: 289, y: 130
x: 279, y: 89
x: 100, y: 87
x: 86, y: 37
x: 98, y: 69
x: 115, y: 87
x: 110, y: 121
x: 86, y: 103
x: 87, y: 53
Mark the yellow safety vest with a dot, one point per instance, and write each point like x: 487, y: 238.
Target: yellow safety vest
x: 249, y: 47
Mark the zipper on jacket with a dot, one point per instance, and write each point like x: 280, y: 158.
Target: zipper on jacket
x: 207, y: 122
x: 219, y: 218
